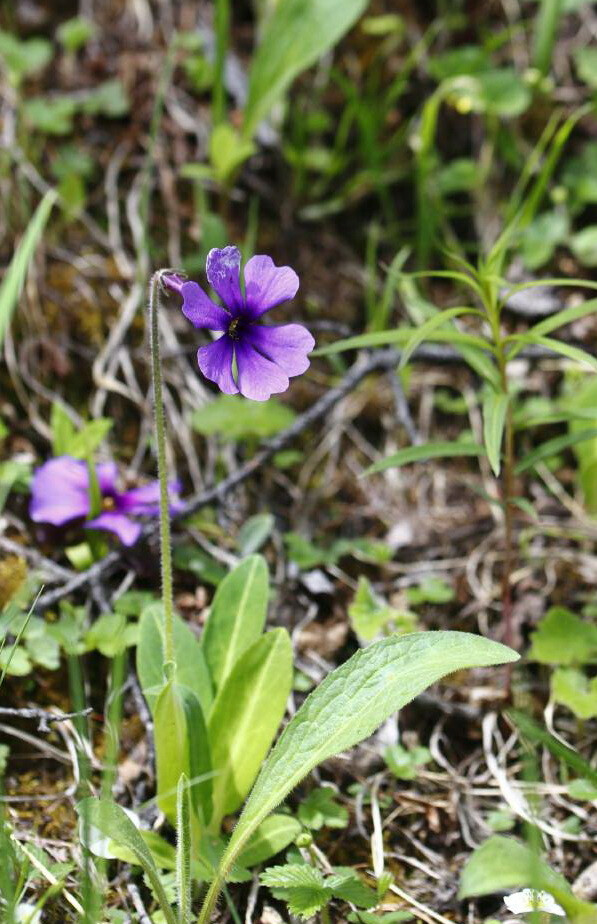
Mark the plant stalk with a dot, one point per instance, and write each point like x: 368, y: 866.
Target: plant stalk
x: 160, y: 434
x: 507, y: 483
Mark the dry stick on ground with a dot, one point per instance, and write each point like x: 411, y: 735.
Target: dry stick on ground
x: 44, y: 716
x: 381, y: 360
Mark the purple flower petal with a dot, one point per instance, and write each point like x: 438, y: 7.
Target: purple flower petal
x: 215, y: 362
x: 146, y: 498
x: 268, y: 285
x: 223, y: 273
x: 258, y: 377
x: 118, y: 523
x: 173, y: 281
x: 107, y: 475
x: 287, y: 345
x: 200, y: 310
x: 60, y: 491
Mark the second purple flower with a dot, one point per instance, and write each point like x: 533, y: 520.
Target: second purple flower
x: 60, y: 494
x: 249, y: 358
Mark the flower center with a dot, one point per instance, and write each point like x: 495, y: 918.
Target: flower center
x: 234, y: 329
x: 108, y: 503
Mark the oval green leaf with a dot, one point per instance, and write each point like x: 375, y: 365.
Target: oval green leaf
x: 236, y: 618
x: 245, y: 717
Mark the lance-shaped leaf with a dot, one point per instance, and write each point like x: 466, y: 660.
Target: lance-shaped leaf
x: 424, y: 452
x: 400, y: 337
x: 556, y: 346
x: 245, y: 717
x: 15, y: 275
x: 426, y: 329
x: 296, y: 35
x: 495, y: 408
x: 552, y: 448
x: 236, y: 618
x: 346, y: 708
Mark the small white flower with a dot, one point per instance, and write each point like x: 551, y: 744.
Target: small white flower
x: 25, y: 912
x: 532, y: 900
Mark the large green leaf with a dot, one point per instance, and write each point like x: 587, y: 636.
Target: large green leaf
x: 495, y: 408
x: 348, y: 706
x: 245, y: 717
x: 424, y: 452
x: 14, y: 277
x: 296, y: 35
x: 114, y: 823
x: 182, y: 748
x: 237, y: 616
x: 191, y: 667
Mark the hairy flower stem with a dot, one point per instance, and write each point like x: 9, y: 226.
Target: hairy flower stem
x: 160, y: 434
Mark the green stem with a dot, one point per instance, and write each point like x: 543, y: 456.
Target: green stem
x: 492, y: 305
x: 160, y: 434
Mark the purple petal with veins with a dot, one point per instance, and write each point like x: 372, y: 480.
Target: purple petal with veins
x: 200, y: 310
x: 287, y: 345
x: 215, y: 362
x: 223, y: 274
x: 258, y: 377
x: 267, y: 285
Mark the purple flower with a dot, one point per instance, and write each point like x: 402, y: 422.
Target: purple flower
x: 265, y: 357
x: 60, y: 493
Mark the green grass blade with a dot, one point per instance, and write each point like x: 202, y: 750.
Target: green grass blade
x: 556, y: 346
x: 552, y: 448
x: 538, y: 735
x: 14, y: 279
x: 423, y: 333
x: 398, y: 338
x: 425, y: 452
